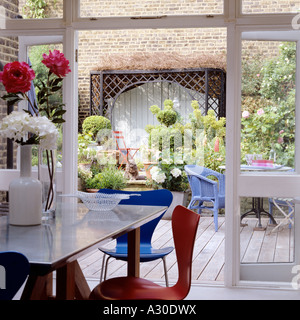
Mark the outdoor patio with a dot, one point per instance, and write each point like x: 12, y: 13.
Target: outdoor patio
x: 208, y: 265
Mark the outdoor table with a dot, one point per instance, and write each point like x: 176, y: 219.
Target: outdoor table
x: 257, y: 202
x: 57, y: 243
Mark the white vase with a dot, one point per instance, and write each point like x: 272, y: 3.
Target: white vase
x: 25, y: 194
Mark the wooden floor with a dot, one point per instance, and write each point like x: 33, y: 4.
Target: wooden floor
x: 208, y: 260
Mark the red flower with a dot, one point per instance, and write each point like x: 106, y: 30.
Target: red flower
x: 57, y: 63
x: 16, y: 77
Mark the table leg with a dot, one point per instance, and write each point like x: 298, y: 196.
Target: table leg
x: 258, y: 209
x: 71, y: 283
x: 133, y: 267
x: 38, y: 287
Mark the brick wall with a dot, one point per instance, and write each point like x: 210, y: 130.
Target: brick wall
x: 96, y: 44
x: 270, y: 6
x: 95, y: 8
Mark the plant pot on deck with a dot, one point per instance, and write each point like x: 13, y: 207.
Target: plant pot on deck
x: 148, y: 166
x: 179, y: 198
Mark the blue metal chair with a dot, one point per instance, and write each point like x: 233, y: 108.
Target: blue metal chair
x: 160, y: 197
x: 206, y: 190
x: 14, y: 269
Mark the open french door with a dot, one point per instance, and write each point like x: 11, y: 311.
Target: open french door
x: 270, y: 110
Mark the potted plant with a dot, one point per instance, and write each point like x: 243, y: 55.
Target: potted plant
x: 108, y: 178
x: 169, y: 174
x: 85, y: 155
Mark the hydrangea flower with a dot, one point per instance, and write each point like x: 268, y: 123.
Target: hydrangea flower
x: 18, y: 126
x: 159, y: 177
x: 176, y: 172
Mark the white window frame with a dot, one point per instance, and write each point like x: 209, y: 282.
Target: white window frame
x: 232, y: 19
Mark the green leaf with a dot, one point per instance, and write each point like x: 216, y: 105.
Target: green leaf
x: 59, y: 113
x: 58, y: 120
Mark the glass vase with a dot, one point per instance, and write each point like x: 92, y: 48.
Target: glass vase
x: 47, y: 177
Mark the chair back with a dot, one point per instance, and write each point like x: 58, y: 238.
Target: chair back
x: 184, y: 227
x: 161, y: 197
x: 200, y: 187
x: 14, y: 269
x: 119, y: 140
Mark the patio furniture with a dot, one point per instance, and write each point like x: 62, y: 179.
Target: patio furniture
x: 14, y: 269
x: 258, y: 202
x: 125, y: 153
x: 281, y: 204
x: 56, y: 244
x: 206, y: 190
x: 258, y: 209
x: 160, y: 197
x: 184, y: 227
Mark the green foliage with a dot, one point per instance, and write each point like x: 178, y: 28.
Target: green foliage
x: 85, y: 155
x: 168, y: 116
x: 251, y: 74
x: 210, y: 144
x: 206, y: 133
x: 169, y: 174
x: 35, y: 9
x: 109, y: 178
x: 48, y: 87
x: 275, y: 95
x: 279, y: 73
x: 94, y: 124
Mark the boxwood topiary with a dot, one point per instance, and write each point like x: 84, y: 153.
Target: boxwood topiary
x: 94, y: 124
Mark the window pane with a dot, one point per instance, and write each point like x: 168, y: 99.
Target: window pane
x: 270, y: 6
x: 268, y: 105
x: 262, y: 241
x: 9, y: 50
x: 13, y: 9
x: 104, y: 8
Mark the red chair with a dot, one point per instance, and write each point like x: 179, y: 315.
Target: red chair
x: 184, y: 226
x: 125, y: 153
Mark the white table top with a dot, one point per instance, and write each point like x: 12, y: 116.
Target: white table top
x: 74, y: 230
x: 245, y: 167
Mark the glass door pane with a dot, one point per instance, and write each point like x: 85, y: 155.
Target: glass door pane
x: 268, y: 164
x: 268, y: 105
x: 270, y: 6
x: 104, y: 8
x: 16, y: 9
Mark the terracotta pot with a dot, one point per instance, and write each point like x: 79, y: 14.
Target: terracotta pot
x: 148, y: 166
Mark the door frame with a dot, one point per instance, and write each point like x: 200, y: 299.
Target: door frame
x: 242, y: 184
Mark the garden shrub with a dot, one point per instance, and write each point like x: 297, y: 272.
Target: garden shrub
x: 268, y: 109
x: 94, y: 124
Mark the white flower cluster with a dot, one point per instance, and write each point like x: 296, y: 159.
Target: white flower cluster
x: 159, y: 176
x: 18, y: 124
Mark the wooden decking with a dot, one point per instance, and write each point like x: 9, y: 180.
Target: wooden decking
x: 208, y: 261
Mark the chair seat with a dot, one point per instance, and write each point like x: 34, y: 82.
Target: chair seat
x: 145, y: 255
x: 131, y: 288
x: 184, y: 227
